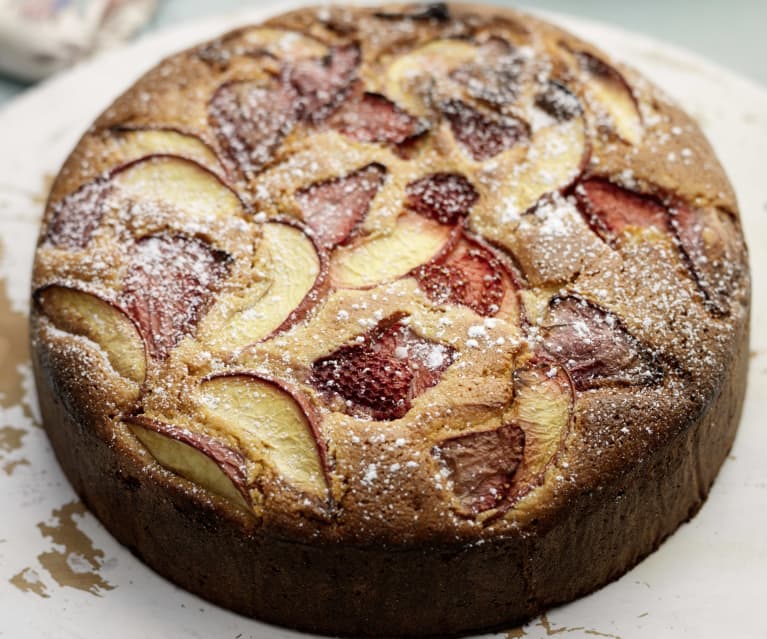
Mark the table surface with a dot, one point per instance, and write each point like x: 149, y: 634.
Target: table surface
x: 729, y: 33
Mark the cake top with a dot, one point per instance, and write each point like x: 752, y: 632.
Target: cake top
x: 406, y: 273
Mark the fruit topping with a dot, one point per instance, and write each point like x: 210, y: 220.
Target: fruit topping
x: 444, y: 197
x: 437, y: 11
x: 75, y: 218
x: 595, y: 347
x: 335, y: 207
x: 372, y: 259
x: 251, y: 121
x: 374, y: 118
x: 323, y: 83
x: 100, y: 321
x: 384, y: 370
x: 168, y: 286
x: 482, y: 135
x: 481, y: 466
x: 471, y: 275
x: 273, y: 425
x: 196, y: 457
x: 609, y: 208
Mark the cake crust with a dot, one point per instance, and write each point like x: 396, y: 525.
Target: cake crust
x: 607, y: 443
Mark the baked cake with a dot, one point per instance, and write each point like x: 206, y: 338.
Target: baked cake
x: 399, y: 321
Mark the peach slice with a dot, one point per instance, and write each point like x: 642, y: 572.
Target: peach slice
x: 288, y: 45
x: 136, y: 143
x: 76, y: 217
x: 481, y: 134
x: 196, y: 457
x: 707, y: 239
x: 168, y: 286
x: 444, y: 197
x: 373, y: 259
x: 272, y: 424
x: 382, y: 371
x: 251, y: 120
x: 374, y: 118
x: 179, y: 183
x: 100, y: 321
x: 410, y: 76
x: 595, y: 347
x: 607, y: 86
x: 557, y: 156
x: 335, y: 207
x: 542, y: 408
x: 609, y: 209
x: 472, y: 275
x: 298, y: 273
x: 323, y: 83
x: 481, y: 466
x: 496, y: 76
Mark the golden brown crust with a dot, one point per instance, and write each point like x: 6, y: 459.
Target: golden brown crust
x: 617, y: 218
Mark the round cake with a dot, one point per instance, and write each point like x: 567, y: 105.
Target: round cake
x: 399, y: 321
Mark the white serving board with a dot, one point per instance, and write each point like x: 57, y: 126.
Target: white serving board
x: 62, y: 575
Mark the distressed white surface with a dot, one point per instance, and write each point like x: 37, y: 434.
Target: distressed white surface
x: 707, y: 581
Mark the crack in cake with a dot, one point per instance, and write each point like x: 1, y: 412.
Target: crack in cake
x: 414, y: 320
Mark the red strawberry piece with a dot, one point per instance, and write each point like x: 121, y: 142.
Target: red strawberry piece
x: 480, y: 134
x: 78, y: 215
x: 374, y: 118
x: 609, y: 208
x: 471, y: 275
x: 323, y: 83
x: 381, y: 374
x: 333, y: 208
x: 444, y: 197
x: 594, y: 346
x: 168, y: 285
x: 251, y: 121
x: 481, y: 465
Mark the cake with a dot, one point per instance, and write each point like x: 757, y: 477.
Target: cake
x: 400, y: 321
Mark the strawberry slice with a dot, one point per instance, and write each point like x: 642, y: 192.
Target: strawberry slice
x: 168, y: 285
x: 609, y: 209
x: 75, y: 218
x: 594, y: 346
x: 383, y: 370
x: 251, y: 121
x: 470, y: 275
x: 335, y: 207
x: 322, y: 84
x: 374, y: 118
x: 444, y: 197
x: 482, y: 465
x: 480, y: 134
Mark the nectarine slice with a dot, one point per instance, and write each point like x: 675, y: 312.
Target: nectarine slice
x: 271, y: 425
x: 373, y: 259
x: 196, y: 457
x: 82, y: 313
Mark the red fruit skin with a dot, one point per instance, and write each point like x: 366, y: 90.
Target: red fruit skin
x: 334, y: 208
x: 168, y: 285
x: 481, y: 466
x: 372, y: 117
x: 609, y: 209
x: 595, y: 348
x: 470, y: 275
x: 444, y: 197
x: 382, y: 374
x: 76, y: 217
x: 323, y: 84
x: 251, y: 121
x: 481, y: 135
x: 232, y: 462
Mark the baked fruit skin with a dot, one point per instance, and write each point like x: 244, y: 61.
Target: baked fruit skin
x: 335, y: 467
